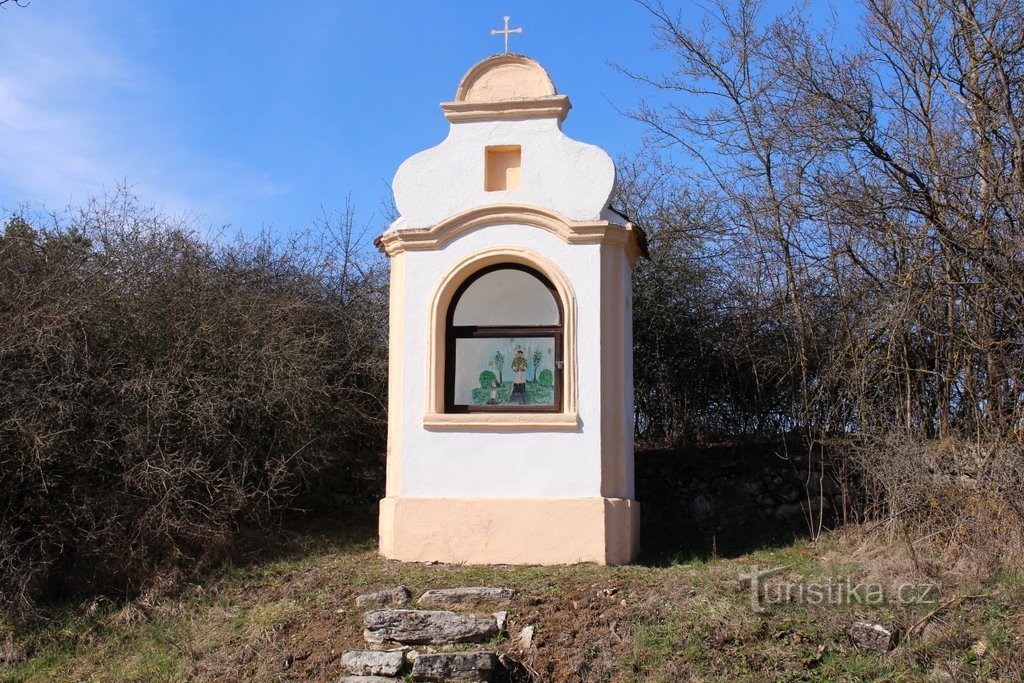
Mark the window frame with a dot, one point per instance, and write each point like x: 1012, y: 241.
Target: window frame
x: 453, y: 332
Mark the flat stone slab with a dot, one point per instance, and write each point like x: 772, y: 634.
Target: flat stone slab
x: 526, y: 637
x: 426, y: 627
x: 389, y: 597
x: 366, y: 679
x: 467, y: 597
x: 873, y: 637
x: 455, y: 666
x: 373, y: 662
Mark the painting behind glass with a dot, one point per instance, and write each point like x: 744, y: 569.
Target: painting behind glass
x: 505, y: 371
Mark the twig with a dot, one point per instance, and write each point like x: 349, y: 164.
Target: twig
x: 945, y: 605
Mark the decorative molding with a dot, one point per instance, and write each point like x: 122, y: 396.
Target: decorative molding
x: 556, y: 106
x: 504, y: 422
x: 434, y: 416
x: 570, y: 231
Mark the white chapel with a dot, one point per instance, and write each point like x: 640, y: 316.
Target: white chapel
x: 510, y: 410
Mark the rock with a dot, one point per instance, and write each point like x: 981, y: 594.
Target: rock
x: 366, y: 679
x: 467, y: 597
x: 702, y: 507
x: 789, y: 493
x: 426, y: 627
x: 874, y: 637
x: 751, y: 488
x: 373, y: 662
x: 455, y: 666
x: 526, y: 637
x: 931, y: 632
x: 501, y: 619
x: 390, y: 597
x: 10, y: 651
x: 788, y: 511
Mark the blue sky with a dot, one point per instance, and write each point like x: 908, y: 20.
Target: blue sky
x: 258, y: 114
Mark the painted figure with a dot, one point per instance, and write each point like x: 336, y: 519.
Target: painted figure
x: 518, y: 378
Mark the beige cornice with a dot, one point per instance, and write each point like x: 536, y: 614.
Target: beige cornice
x: 527, y: 422
x: 570, y: 231
x: 556, y: 106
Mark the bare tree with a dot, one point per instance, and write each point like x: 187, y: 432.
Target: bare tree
x: 875, y: 189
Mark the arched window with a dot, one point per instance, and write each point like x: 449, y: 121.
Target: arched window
x: 503, y: 343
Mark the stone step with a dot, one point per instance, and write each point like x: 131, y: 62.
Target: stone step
x: 366, y: 679
x: 389, y: 597
x: 373, y: 662
x: 472, y: 596
x: 427, y: 627
x: 455, y: 666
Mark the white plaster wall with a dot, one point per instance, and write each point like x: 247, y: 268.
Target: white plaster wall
x: 627, y: 365
x: 513, y: 464
x: 571, y: 177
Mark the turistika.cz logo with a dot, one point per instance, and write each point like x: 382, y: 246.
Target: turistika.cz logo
x: 833, y: 592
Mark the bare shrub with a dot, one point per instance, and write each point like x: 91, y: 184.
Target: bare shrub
x: 953, y: 500
x: 157, y: 390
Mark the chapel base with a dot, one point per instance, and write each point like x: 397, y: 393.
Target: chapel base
x: 510, y: 530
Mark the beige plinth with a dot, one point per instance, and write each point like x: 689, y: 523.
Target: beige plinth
x: 510, y: 530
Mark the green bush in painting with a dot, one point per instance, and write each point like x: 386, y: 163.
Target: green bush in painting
x: 487, y: 379
x: 546, y: 378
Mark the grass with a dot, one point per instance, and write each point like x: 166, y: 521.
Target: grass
x: 287, y: 613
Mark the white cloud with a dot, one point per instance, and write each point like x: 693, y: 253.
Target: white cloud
x: 51, y: 92
x: 78, y: 115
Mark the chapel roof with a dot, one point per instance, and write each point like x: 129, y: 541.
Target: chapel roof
x: 505, y: 77
x: 506, y: 86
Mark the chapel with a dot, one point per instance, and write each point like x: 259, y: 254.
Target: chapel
x: 510, y: 409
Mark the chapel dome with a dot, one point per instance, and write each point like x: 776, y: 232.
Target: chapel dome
x: 505, y: 77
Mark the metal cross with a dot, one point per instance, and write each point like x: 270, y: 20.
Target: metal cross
x: 507, y: 31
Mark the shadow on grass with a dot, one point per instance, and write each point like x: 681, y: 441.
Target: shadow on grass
x: 302, y: 534
x: 723, y: 501
x: 339, y: 513
x: 695, y: 504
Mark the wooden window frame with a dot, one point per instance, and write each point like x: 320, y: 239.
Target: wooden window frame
x: 454, y: 332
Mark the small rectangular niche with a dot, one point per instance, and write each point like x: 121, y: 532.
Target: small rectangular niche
x: 502, y: 167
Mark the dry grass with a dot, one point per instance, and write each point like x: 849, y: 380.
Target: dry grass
x: 288, y: 613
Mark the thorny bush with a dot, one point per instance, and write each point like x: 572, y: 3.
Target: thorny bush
x: 158, y: 390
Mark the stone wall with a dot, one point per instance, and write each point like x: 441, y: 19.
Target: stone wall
x: 727, y: 500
